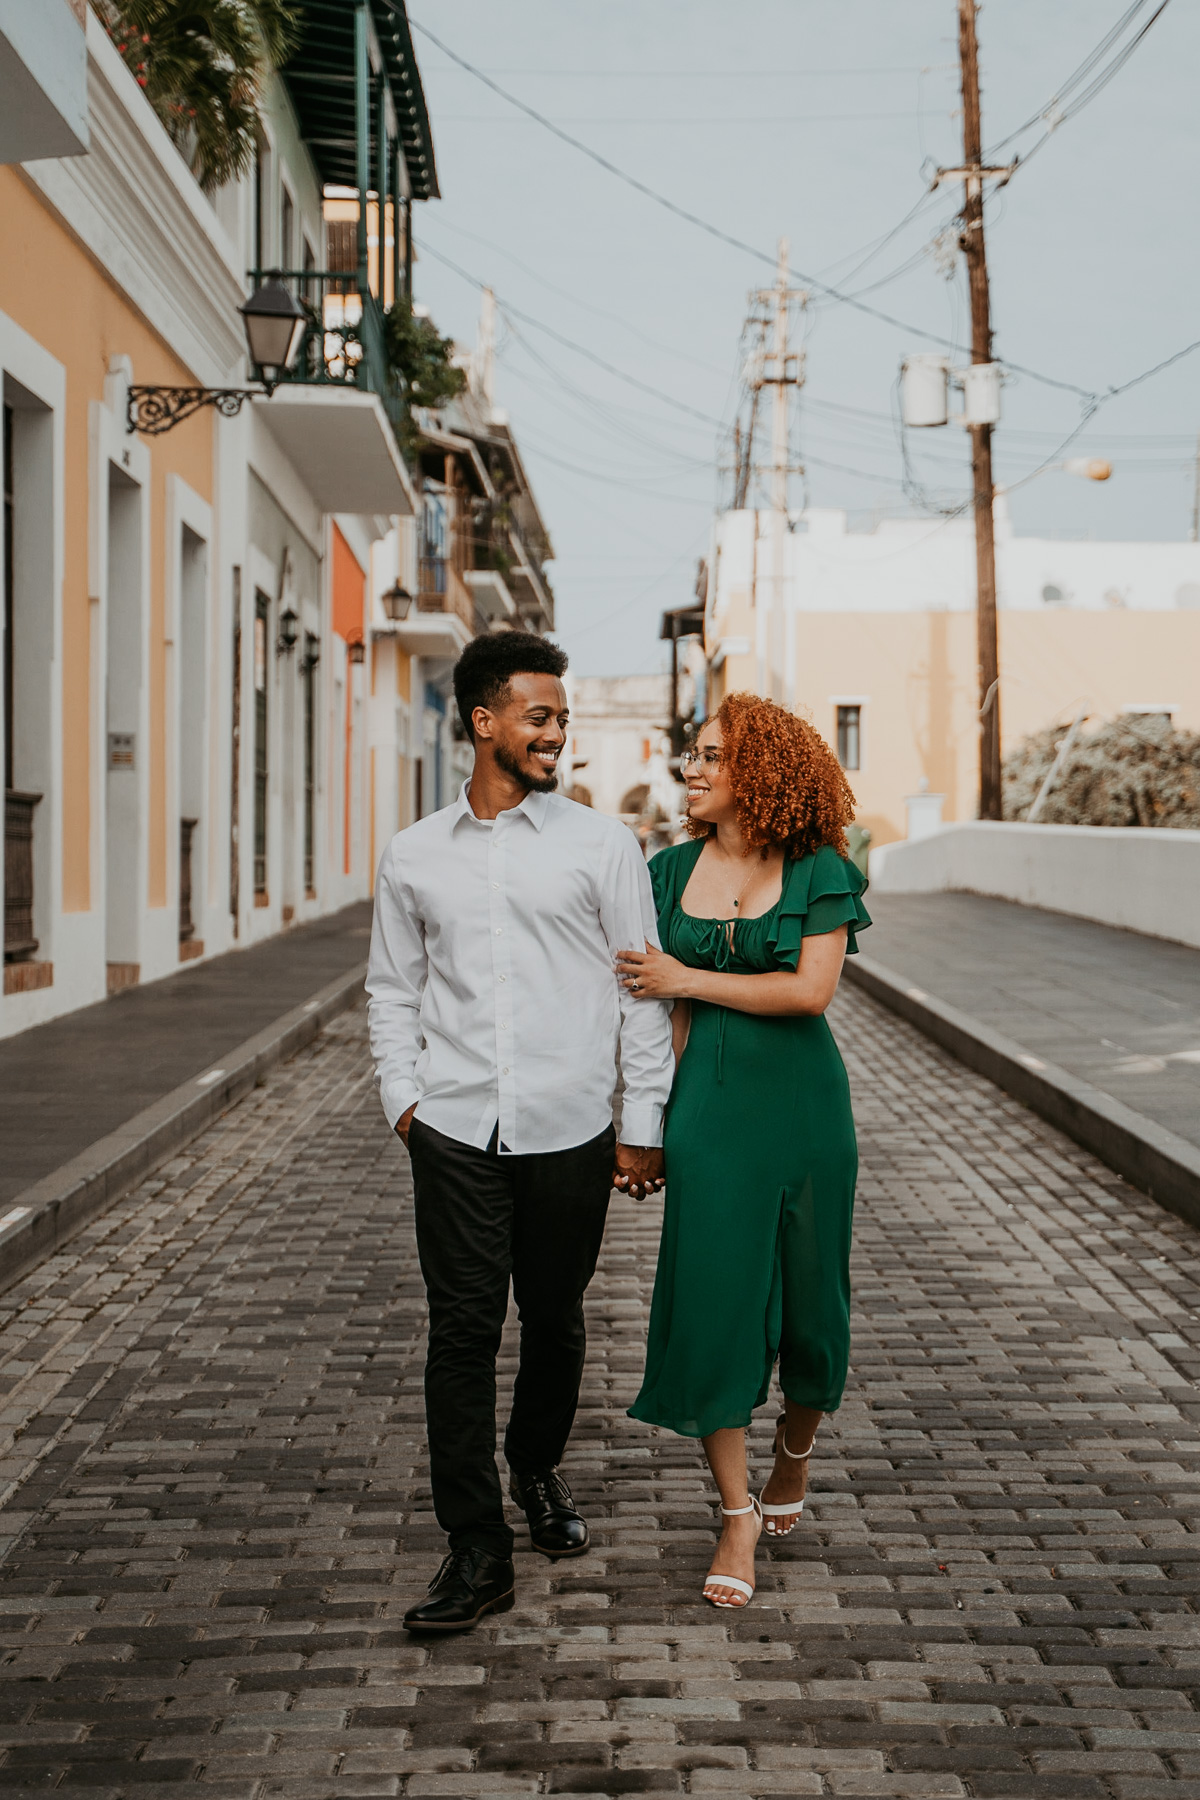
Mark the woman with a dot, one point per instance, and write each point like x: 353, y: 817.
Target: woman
x: 755, y: 915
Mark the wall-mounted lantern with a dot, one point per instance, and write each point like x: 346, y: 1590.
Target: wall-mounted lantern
x: 396, y: 602
x: 286, y: 642
x: 356, y: 649
x: 312, y: 652
x: 274, y: 322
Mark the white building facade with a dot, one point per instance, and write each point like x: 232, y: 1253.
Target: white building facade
x: 872, y: 635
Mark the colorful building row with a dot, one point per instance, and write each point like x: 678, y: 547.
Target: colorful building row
x: 227, y: 642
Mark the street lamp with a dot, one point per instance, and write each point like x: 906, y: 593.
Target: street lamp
x: 396, y: 602
x: 287, y: 633
x: 356, y: 649
x: 274, y: 322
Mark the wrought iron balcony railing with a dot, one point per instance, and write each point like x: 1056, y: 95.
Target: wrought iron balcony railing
x: 344, y: 341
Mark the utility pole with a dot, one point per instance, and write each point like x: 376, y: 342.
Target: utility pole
x: 972, y: 242
x: 772, y: 364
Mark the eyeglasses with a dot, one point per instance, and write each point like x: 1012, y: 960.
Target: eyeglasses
x: 704, y: 760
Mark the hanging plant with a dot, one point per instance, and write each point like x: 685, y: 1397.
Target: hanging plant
x: 420, y: 361
x: 202, y: 65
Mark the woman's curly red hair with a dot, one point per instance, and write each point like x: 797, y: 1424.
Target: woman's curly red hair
x: 787, y: 783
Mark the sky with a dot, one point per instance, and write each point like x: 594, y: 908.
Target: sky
x: 821, y: 124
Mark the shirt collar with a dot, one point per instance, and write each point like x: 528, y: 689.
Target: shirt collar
x: 535, y: 807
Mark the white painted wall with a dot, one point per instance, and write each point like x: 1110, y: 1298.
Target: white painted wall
x: 1147, y: 881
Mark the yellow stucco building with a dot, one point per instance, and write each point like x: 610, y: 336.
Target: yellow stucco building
x: 872, y: 635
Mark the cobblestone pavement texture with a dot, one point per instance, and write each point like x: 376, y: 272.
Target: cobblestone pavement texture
x: 71, y: 1081
x: 1117, y: 1008
x: 217, y: 1506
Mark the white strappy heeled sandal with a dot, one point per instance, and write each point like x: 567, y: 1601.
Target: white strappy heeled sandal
x: 733, y: 1581
x: 796, y: 1507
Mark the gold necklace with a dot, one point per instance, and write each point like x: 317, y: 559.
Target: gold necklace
x: 742, y: 890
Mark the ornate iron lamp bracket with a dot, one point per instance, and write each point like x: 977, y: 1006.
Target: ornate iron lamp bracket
x: 152, y: 410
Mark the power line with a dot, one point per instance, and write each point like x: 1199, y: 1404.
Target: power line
x: 1053, y: 110
x: 671, y: 206
x: 570, y: 344
x: 688, y: 118
x: 598, y: 312
x: 776, y: 74
x: 715, y: 231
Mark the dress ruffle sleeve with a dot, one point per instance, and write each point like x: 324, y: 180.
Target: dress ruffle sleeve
x: 820, y: 893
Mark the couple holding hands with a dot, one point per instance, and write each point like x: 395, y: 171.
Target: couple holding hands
x: 496, y: 1019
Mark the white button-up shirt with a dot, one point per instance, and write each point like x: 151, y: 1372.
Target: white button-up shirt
x: 493, y: 997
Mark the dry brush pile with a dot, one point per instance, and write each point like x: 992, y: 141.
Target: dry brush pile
x: 1134, y: 770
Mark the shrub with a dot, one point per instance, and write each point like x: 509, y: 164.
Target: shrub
x: 202, y: 64
x: 1135, y: 770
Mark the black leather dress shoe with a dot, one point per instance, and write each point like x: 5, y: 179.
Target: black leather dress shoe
x: 468, y: 1584
x: 555, y: 1527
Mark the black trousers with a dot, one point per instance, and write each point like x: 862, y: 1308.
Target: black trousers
x: 483, y: 1219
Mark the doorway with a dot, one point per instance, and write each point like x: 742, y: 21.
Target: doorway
x: 126, y: 751
x: 262, y: 669
x: 193, y: 739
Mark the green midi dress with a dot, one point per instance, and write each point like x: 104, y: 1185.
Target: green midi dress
x: 761, y: 1162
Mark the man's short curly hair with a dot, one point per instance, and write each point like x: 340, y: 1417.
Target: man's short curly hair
x: 787, y: 784
x: 486, y: 667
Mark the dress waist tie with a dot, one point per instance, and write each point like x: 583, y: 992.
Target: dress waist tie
x: 722, y: 957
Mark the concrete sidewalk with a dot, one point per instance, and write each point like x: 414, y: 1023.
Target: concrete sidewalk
x: 66, y: 1085
x: 1120, y: 1010
x: 1096, y: 1029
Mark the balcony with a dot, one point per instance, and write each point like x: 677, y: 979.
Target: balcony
x: 43, y: 78
x: 337, y: 412
x: 19, y: 941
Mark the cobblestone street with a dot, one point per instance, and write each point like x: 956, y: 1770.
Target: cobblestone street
x: 216, y: 1506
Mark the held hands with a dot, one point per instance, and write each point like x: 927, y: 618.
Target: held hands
x: 638, y: 1172
x: 651, y: 974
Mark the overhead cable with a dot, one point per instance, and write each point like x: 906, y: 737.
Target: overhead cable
x: 1059, y: 108
x: 506, y: 306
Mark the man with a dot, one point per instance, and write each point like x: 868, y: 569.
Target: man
x: 495, y: 1015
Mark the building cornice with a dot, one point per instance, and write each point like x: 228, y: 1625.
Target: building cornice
x: 134, y: 205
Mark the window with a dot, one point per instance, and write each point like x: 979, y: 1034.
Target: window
x: 849, y: 736
x: 308, y: 669
x: 262, y: 608
x: 287, y: 231
x: 8, y: 597
x: 261, y: 182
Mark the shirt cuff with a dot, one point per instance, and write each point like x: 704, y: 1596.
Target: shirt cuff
x: 642, y: 1124
x: 396, y: 1097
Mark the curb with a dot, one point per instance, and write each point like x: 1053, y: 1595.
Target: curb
x: 45, y: 1216
x: 1154, y: 1159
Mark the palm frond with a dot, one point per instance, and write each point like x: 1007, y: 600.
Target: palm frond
x: 203, y: 65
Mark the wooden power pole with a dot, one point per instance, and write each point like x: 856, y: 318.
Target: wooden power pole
x: 981, y: 435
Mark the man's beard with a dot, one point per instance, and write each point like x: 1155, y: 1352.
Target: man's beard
x: 508, y: 762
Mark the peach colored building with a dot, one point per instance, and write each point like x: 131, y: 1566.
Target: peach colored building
x: 872, y: 635
x: 211, y: 723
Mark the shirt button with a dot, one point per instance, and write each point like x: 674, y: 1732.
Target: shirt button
x: 504, y: 978
x: 504, y: 1024
x: 499, y: 931
x: 496, y: 885
x: 504, y: 1071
